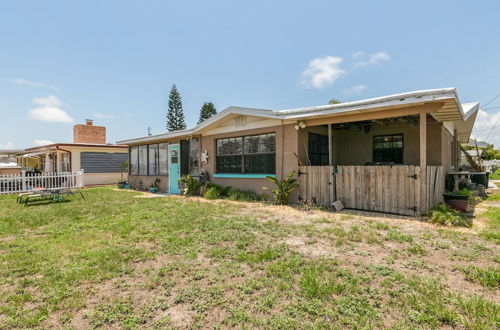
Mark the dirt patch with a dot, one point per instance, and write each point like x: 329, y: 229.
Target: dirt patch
x: 181, y: 316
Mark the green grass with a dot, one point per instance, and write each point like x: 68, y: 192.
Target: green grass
x: 124, y: 262
x: 495, y: 176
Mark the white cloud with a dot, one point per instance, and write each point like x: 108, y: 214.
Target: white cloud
x: 357, y: 89
x: 21, y: 81
x: 103, y: 116
x: 49, y: 110
x: 50, y: 100
x: 43, y: 142
x: 357, y: 54
x: 7, y: 146
x: 485, y: 121
x: 375, y: 58
x: 322, y: 71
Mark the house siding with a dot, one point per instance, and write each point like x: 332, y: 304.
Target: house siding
x: 286, y: 146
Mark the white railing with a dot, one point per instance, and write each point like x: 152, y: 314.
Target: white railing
x: 15, y: 183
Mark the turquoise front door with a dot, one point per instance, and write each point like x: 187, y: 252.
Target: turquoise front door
x: 173, y: 168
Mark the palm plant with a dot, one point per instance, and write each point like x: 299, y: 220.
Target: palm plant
x: 191, y: 185
x: 283, y: 188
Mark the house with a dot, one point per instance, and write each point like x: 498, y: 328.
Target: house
x: 88, y: 152
x: 474, y: 154
x: 8, y: 164
x: 386, y: 154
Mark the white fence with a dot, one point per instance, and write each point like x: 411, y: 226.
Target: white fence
x: 15, y: 183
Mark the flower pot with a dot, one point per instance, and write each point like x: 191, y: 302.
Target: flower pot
x: 121, y: 185
x: 153, y: 189
x: 457, y: 202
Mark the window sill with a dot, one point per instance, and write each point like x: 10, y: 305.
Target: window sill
x: 242, y: 176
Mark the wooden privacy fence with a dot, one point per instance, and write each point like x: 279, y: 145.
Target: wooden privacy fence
x: 390, y: 189
x: 316, y: 184
x: 15, y: 183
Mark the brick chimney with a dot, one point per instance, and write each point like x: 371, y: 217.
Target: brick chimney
x: 89, y: 133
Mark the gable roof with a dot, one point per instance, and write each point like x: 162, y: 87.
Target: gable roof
x: 451, y: 110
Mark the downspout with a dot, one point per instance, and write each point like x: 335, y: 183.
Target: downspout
x: 69, y: 152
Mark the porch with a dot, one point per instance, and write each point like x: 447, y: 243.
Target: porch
x: 393, y: 165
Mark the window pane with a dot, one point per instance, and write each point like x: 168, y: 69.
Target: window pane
x: 229, y: 164
x: 251, y: 144
x: 193, y: 157
x: 318, y: 149
x: 258, y: 150
x: 153, y: 159
x: 260, y: 164
x: 163, y: 159
x: 143, y: 160
x: 134, y: 161
x: 388, y: 149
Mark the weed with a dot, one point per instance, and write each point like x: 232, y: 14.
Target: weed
x: 446, y: 216
x: 488, y: 277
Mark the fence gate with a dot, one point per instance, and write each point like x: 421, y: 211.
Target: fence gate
x: 316, y: 184
x: 390, y: 189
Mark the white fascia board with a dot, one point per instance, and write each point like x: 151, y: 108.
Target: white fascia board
x: 396, y: 99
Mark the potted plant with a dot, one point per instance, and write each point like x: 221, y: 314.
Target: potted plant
x: 123, y: 166
x: 458, y: 200
x: 154, y: 186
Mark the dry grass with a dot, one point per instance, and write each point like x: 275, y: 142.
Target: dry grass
x: 124, y: 262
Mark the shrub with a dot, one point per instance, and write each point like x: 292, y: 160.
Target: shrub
x: 283, y: 188
x: 214, y: 191
x: 446, y: 216
x: 191, y: 185
x: 241, y: 195
x: 461, y: 192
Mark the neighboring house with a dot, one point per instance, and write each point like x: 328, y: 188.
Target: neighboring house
x: 396, y: 147
x: 473, y: 153
x: 8, y: 163
x: 480, y: 144
x: 88, y: 152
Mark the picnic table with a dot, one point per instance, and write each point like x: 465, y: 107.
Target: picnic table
x: 55, y: 194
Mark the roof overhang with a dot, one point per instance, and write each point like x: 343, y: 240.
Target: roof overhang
x: 444, y: 103
x: 464, y: 126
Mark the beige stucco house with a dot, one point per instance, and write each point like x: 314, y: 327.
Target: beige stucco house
x: 88, y: 152
x: 418, y: 132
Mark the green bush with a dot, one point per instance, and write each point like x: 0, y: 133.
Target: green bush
x: 241, y: 195
x: 214, y: 191
x: 461, y: 192
x: 191, y: 185
x: 283, y: 188
x: 446, y: 216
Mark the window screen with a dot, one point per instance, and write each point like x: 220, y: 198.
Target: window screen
x: 249, y: 154
x: 143, y: 160
x: 163, y: 158
x: 388, y: 149
x: 318, y: 149
x: 134, y: 160
x: 102, y: 162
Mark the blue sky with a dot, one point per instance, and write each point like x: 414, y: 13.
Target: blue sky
x: 115, y: 61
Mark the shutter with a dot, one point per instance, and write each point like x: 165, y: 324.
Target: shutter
x: 102, y: 162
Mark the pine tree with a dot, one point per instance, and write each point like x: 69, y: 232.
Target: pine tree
x: 207, y: 110
x: 175, y: 116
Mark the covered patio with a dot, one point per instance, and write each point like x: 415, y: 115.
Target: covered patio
x: 392, y: 161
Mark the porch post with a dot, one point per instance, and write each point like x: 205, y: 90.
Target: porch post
x: 330, y: 164
x: 423, y: 162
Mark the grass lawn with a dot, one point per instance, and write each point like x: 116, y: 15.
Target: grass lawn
x: 120, y: 261
x: 495, y: 176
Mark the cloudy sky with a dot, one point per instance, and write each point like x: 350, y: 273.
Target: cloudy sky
x: 115, y: 61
